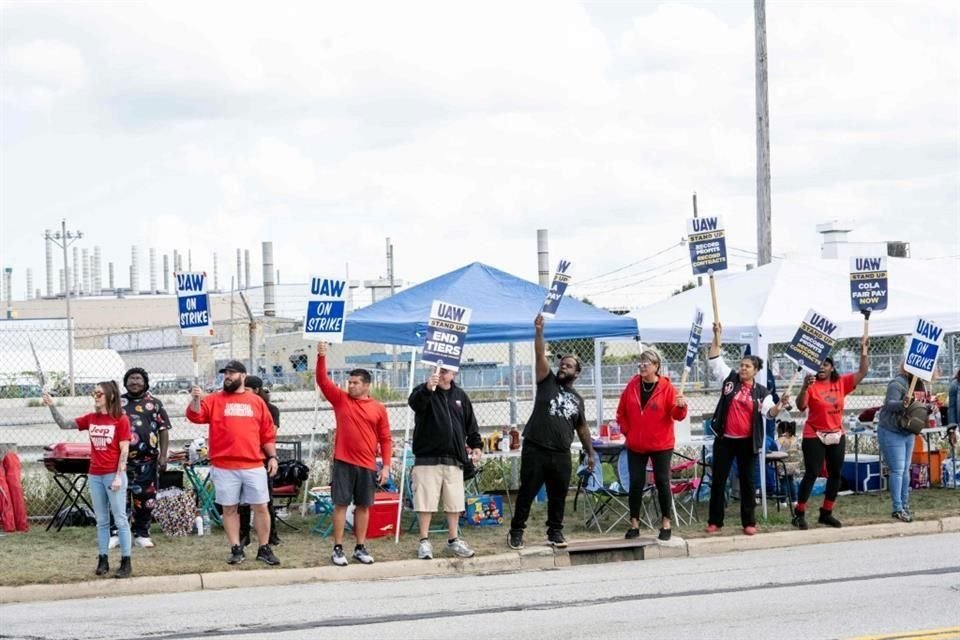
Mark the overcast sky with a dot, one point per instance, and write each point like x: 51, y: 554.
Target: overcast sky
x: 459, y: 129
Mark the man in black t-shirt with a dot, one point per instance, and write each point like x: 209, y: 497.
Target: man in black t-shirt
x: 558, y: 411
x: 255, y: 384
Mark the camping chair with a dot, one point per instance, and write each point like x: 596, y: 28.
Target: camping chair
x: 289, y: 479
x: 408, y: 502
x: 683, y: 490
x: 646, y: 501
x: 602, y: 499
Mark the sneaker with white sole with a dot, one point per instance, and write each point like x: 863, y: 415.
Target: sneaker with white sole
x: 361, y: 555
x: 338, y: 557
x: 459, y: 548
x: 146, y: 543
x: 114, y: 542
x: 425, y: 550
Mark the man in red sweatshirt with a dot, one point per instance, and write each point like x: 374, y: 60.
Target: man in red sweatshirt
x: 241, y: 436
x: 362, y: 425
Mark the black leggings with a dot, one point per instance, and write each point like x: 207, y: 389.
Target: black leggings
x: 725, y: 451
x: 814, y: 453
x: 661, y: 478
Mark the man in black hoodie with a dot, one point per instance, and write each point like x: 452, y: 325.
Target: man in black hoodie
x: 149, y: 427
x: 445, y: 440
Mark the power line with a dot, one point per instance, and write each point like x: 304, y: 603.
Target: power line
x: 632, y: 264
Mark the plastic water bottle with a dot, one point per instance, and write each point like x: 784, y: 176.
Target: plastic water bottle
x: 206, y: 523
x: 198, y: 524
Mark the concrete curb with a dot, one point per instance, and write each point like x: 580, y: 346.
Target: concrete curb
x: 537, y: 558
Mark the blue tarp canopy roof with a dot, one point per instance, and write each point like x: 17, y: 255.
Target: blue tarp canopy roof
x: 503, y: 305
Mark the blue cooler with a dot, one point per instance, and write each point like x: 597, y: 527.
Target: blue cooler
x: 862, y: 473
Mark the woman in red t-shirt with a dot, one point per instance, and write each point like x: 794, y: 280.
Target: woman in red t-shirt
x: 109, y: 430
x: 823, y: 437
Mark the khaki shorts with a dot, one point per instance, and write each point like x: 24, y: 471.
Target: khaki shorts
x: 435, y: 481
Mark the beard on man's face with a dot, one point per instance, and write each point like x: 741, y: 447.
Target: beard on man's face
x: 565, y: 378
x: 231, y: 386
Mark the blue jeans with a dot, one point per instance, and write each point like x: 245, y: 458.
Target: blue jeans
x: 897, y: 449
x: 105, y: 501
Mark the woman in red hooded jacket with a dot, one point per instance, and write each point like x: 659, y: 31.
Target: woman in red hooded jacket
x: 647, y: 409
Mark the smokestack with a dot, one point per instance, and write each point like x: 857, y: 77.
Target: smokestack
x: 246, y: 268
x: 543, y: 257
x: 97, y: 271
x: 29, y: 284
x: 48, y: 250
x: 166, y: 273
x: 85, y: 259
x: 239, y: 272
x: 176, y: 260
x: 189, y: 260
x: 63, y: 282
x: 269, y: 308
x: 216, y: 273
x: 110, y: 279
x: 8, y: 290
x: 134, y: 269
x: 152, y: 254
x: 75, y: 272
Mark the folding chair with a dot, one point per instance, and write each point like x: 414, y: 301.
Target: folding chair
x: 284, y: 491
x: 683, y: 490
x: 646, y: 499
x: 601, y: 499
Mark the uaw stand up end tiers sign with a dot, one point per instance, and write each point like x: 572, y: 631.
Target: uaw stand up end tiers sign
x: 193, y: 304
x: 446, y: 332
x: 813, y: 342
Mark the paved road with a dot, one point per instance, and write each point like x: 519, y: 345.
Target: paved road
x: 841, y: 590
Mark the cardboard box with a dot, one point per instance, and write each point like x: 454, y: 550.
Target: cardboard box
x: 935, y: 463
x: 483, y: 511
x: 919, y: 476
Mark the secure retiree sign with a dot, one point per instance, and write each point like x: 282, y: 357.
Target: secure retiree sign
x: 193, y: 304
x: 446, y: 332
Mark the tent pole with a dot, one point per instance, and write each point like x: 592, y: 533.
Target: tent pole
x: 512, y: 358
x: 313, y: 432
x: 406, y: 434
x: 598, y: 378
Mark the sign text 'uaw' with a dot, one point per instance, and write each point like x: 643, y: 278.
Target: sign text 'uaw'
x: 813, y: 342
x: 326, y: 308
x: 923, y: 349
x: 446, y: 333
x: 708, y: 245
x: 193, y: 304
x: 868, y: 283
x: 693, y: 343
x: 560, y: 281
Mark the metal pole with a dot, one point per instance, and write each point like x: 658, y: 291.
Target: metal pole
x: 764, y: 235
x: 512, y: 355
x: 699, y: 278
x: 251, y: 331
x: 66, y: 295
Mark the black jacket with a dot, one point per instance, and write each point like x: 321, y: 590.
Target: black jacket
x: 729, y: 389
x: 444, y: 424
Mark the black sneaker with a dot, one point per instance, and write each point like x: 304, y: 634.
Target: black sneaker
x: 632, y: 533
x: 274, y: 539
x: 664, y: 535
x: 555, y: 537
x: 800, y: 521
x: 902, y: 516
x: 265, y: 555
x: 515, y: 539
x: 826, y: 517
x: 125, y: 569
x: 236, y: 554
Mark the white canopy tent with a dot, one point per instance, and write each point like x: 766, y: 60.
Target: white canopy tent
x: 766, y: 305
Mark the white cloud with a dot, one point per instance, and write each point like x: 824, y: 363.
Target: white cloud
x: 40, y: 72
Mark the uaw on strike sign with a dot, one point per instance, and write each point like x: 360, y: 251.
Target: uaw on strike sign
x: 326, y: 305
x: 923, y: 349
x: 193, y: 304
x: 446, y: 331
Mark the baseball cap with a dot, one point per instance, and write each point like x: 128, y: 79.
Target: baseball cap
x: 253, y: 382
x: 234, y: 365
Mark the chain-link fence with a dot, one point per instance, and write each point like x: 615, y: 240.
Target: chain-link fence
x: 497, y: 377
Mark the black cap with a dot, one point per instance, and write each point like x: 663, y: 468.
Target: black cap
x: 234, y: 365
x: 253, y: 382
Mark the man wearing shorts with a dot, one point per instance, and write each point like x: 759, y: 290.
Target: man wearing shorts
x: 362, y: 426
x: 241, y: 437
x: 445, y: 438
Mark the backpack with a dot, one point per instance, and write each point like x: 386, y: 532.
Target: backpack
x: 291, y: 472
x: 914, y: 417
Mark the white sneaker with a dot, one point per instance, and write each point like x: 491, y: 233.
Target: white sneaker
x: 425, y: 550
x: 460, y: 549
x: 114, y: 542
x: 146, y: 543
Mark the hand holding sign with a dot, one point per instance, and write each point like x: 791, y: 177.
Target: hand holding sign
x: 446, y: 332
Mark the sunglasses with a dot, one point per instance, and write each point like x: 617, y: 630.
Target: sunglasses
x: 97, y: 394
x: 645, y: 363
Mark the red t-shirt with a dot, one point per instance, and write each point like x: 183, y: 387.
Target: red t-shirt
x: 240, y: 424
x: 740, y: 414
x: 106, y: 434
x: 825, y: 404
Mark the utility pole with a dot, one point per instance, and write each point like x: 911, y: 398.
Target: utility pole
x: 699, y: 278
x: 764, y: 234
x: 395, y: 376
x: 63, y: 239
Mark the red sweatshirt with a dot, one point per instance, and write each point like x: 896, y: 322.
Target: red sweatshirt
x: 240, y: 424
x: 650, y: 428
x: 361, y: 424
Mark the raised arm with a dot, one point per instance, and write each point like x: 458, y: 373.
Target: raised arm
x: 864, y: 362
x: 330, y: 391
x: 540, y: 349
x: 57, y: 417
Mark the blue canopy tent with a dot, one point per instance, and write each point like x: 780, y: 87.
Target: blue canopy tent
x: 503, y: 308
x: 503, y: 305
